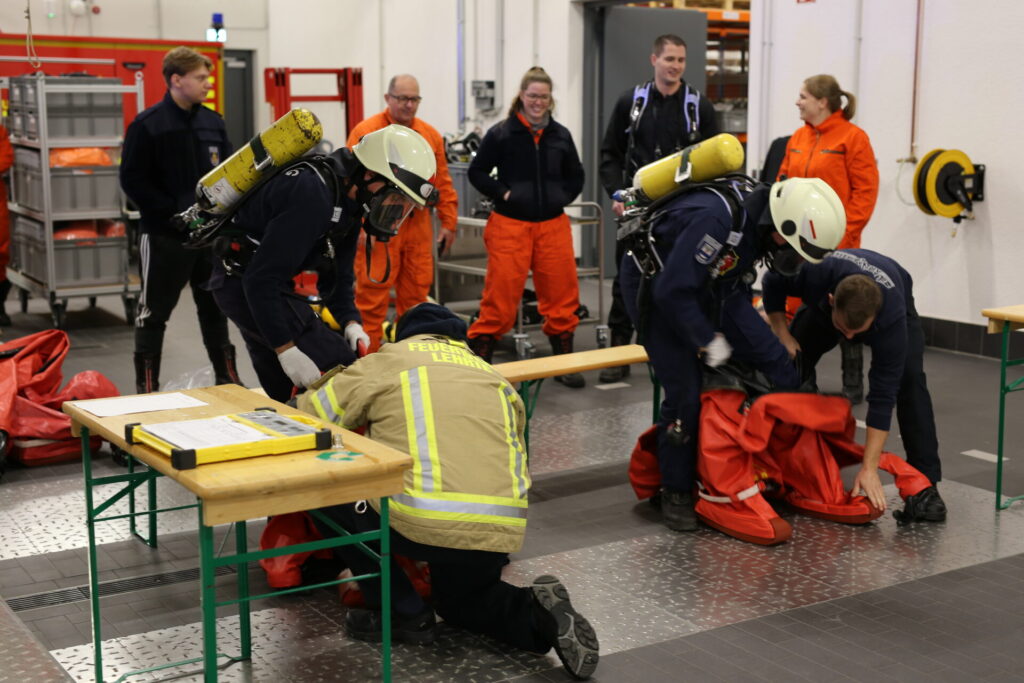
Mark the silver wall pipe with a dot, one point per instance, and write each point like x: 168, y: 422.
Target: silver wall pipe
x: 460, y: 59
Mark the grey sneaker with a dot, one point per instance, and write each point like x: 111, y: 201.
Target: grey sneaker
x: 575, y: 643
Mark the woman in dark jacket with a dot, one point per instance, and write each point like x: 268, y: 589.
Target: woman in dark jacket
x: 538, y: 173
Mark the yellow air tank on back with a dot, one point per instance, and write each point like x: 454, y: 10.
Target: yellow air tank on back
x: 706, y: 160
x: 285, y: 140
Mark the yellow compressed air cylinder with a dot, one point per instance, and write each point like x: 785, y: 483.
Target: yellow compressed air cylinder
x: 285, y: 140
x: 709, y: 159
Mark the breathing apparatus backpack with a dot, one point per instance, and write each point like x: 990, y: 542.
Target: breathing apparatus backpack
x: 222, y: 191
x: 708, y: 165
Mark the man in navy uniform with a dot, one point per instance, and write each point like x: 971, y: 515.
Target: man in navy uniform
x: 866, y: 297
x: 699, y: 304
x: 308, y: 217
x: 167, y: 149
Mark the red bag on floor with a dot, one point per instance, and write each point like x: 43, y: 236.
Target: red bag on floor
x: 285, y: 571
x: 30, y: 398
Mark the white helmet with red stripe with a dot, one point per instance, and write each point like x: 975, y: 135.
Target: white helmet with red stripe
x: 809, y: 215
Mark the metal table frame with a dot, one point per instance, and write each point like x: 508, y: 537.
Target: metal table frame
x: 209, y: 561
x: 1004, y: 321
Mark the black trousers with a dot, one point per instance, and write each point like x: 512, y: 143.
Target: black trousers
x: 466, y: 585
x: 618, y: 319
x: 324, y: 346
x: 167, y: 266
x: 813, y: 328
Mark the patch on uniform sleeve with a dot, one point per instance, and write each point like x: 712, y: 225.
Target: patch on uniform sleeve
x: 707, y: 250
x: 214, y: 155
x: 726, y: 263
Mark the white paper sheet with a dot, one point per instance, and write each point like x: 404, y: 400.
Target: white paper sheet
x: 126, y: 405
x: 206, y: 433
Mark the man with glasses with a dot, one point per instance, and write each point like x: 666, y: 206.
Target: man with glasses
x: 406, y: 263
x: 167, y: 149
x: 650, y: 121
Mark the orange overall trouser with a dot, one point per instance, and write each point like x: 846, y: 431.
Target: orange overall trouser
x: 412, y: 273
x: 514, y: 248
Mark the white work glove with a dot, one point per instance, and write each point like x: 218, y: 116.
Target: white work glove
x: 354, y: 333
x: 718, y: 351
x: 299, y: 367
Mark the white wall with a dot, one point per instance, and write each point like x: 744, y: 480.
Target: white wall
x: 968, y: 100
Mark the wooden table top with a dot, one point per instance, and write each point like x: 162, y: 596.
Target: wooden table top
x: 236, y: 490
x: 550, y: 366
x: 1011, y: 314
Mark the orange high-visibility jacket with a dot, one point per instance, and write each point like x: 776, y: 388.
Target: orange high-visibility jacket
x: 448, y: 205
x: 839, y: 153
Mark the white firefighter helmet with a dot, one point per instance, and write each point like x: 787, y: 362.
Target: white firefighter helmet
x: 809, y: 215
x: 403, y: 158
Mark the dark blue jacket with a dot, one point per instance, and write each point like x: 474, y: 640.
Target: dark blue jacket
x: 289, y: 218
x: 660, y: 131
x: 887, y: 335
x: 166, y: 151
x: 692, y: 238
x: 543, y: 177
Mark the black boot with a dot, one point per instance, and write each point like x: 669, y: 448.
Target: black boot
x: 562, y: 343
x: 5, y: 289
x: 853, y: 370
x: 677, y: 510
x: 927, y: 505
x: 224, y: 369
x: 620, y: 372
x: 483, y: 346
x: 147, y: 372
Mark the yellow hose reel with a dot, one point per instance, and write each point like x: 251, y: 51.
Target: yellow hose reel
x: 947, y: 184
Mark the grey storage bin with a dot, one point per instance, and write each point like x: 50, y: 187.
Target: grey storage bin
x: 83, y: 114
x: 27, y: 228
x: 100, y: 261
x: 469, y: 243
x: 454, y: 286
x: 14, y: 123
x: 91, y: 188
x: 469, y: 197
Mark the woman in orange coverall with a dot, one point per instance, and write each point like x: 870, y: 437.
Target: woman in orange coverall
x: 538, y: 173
x: 6, y: 159
x: 829, y: 147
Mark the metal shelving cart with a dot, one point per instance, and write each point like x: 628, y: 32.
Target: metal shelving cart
x: 458, y: 280
x: 53, y: 113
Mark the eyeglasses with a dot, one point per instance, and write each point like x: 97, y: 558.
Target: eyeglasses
x: 537, y: 97
x: 402, y: 99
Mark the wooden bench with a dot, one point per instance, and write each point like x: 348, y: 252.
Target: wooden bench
x: 531, y: 372
x: 1003, y: 321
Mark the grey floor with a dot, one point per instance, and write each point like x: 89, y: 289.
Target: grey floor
x: 929, y: 602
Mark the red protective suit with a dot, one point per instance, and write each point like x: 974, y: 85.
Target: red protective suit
x: 412, y: 250
x: 514, y: 248
x: 789, y: 443
x: 31, y: 399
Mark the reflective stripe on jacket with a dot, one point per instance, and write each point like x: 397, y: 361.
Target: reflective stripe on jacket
x: 461, y: 422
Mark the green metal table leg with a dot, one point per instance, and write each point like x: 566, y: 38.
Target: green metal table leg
x: 244, y: 622
x: 1002, y: 414
x: 385, y: 590
x: 529, y: 403
x: 1004, y: 389
x: 94, y: 581
x: 151, y: 494
x: 131, y: 499
x: 208, y: 599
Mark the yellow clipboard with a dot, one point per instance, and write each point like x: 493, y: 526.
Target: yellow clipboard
x: 190, y: 443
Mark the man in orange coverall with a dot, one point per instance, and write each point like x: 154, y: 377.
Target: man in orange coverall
x: 411, y: 252
x: 6, y: 159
